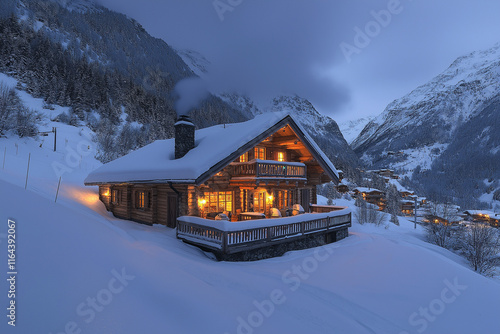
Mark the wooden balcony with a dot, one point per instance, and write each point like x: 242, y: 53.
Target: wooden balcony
x: 269, y: 169
x: 226, y: 238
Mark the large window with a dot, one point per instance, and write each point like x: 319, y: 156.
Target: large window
x: 284, y: 199
x: 219, y: 201
x: 259, y: 201
x: 260, y: 153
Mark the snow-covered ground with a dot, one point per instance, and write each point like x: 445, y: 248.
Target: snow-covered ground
x: 80, y: 270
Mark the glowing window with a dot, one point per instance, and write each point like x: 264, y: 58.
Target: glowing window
x: 259, y: 201
x: 141, y: 200
x: 244, y: 157
x: 260, y: 153
x: 219, y: 201
x: 281, y: 156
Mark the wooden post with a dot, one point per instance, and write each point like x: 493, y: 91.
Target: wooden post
x: 224, y: 242
x: 415, y: 213
x: 57, y: 192
x: 4, y: 153
x: 54, y: 129
x: 27, y: 172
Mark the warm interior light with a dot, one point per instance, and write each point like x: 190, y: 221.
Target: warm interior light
x: 106, y: 193
x: 202, y: 202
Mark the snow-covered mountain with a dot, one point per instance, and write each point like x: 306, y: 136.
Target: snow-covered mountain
x: 351, y: 129
x: 453, y: 116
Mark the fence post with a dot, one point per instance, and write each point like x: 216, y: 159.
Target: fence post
x: 57, y: 192
x: 27, y: 172
x: 54, y: 129
x: 224, y: 242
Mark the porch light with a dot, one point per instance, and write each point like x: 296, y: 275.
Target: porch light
x: 106, y: 193
x: 202, y: 202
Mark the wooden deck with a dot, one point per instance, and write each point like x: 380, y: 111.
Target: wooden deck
x: 225, y: 238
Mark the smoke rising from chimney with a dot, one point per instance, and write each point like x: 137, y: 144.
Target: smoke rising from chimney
x: 191, y: 92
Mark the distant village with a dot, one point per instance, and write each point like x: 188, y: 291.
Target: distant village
x: 412, y: 205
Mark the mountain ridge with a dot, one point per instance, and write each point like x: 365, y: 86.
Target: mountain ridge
x: 429, y: 122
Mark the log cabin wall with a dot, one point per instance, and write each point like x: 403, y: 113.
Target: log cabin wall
x: 122, y: 201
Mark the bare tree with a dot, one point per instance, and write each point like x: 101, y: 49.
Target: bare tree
x: 480, y: 245
x: 439, y: 234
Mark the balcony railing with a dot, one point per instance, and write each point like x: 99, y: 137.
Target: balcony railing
x: 229, y: 237
x: 269, y: 169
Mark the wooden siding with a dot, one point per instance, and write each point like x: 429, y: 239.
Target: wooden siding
x: 156, y: 202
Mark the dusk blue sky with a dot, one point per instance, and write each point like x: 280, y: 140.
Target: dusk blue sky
x: 268, y: 47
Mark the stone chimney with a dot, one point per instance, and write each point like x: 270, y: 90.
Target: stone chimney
x: 184, y: 136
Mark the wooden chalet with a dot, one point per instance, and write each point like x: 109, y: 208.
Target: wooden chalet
x: 244, y: 172
x: 483, y: 216
x: 407, y: 207
x: 371, y: 195
x: 434, y: 219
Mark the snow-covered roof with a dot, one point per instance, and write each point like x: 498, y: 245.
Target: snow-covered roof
x: 480, y: 212
x: 215, y: 147
x: 367, y: 190
x: 399, y: 187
